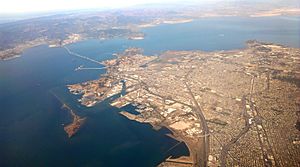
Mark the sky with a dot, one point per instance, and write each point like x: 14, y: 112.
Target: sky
x: 32, y: 6
x: 25, y: 6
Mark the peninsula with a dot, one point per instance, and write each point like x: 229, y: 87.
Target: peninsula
x: 72, y: 128
x: 231, y: 108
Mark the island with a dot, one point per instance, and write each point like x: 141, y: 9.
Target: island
x: 72, y: 128
x: 231, y: 108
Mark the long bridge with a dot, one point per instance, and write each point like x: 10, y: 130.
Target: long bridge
x: 80, y: 56
x: 89, y: 68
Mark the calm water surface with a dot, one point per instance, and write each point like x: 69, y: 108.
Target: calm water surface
x: 33, y: 88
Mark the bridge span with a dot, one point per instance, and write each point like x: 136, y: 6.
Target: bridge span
x: 80, y: 56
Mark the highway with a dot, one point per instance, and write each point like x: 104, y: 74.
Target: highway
x: 202, y: 161
x: 265, y: 146
x: 230, y: 144
x: 205, y: 131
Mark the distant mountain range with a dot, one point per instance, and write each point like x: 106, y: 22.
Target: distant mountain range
x: 57, y: 28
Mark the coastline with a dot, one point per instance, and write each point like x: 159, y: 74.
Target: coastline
x: 13, y: 57
x: 73, y: 127
x: 73, y: 37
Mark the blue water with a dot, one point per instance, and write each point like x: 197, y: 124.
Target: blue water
x: 31, y: 131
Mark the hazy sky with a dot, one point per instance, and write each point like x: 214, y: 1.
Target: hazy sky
x: 20, y: 6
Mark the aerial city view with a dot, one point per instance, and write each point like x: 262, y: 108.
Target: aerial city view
x: 194, y: 83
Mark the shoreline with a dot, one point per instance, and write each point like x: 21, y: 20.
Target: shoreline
x: 190, y: 121
x: 73, y: 127
x: 4, y: 54
x: 11, y: 58
x: 176, y: 136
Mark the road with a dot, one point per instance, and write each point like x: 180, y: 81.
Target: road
x: 205, y: 131
x: 201, y: 161
x: 231, y: 143
x: 265, y: 146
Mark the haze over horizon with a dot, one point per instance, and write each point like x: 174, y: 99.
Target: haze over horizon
x: 31, y: 6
